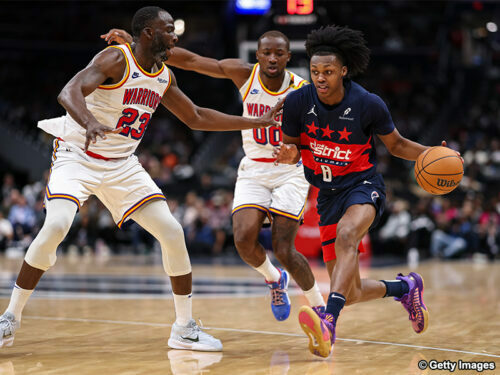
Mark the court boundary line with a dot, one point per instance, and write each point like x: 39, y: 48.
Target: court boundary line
x: 126, y: 322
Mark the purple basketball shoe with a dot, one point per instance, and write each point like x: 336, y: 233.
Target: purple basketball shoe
x: 413, y: 301
x: 319, y: 328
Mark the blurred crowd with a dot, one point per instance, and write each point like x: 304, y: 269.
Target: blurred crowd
x: 433, y: 65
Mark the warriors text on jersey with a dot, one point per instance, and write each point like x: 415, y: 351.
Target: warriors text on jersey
x: 129, y: 103
x: 257, y: 100
x: 336, y: 142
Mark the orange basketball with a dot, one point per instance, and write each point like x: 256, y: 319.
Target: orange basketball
x: 439, y: 170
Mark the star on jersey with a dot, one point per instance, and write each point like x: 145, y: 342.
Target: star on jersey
x: 311, y: 128
x: 327, y: 132
x: 344, y: 134
x: 311, y: 111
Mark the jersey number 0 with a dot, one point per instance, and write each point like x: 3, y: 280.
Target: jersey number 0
x: 271, y: 135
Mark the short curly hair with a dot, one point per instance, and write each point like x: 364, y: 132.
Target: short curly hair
x: 143, y: 17
x: 347, y: 44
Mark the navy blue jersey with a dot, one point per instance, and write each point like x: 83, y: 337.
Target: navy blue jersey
x: 336, y: 142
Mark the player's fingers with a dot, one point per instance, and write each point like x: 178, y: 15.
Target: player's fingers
x: 87, y: 143
x: 443, y: 143
x: 114, y: 131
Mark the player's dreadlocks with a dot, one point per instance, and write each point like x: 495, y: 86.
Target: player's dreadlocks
x: 143, y: 17
x: 275, y: 34
x: 347, y: 44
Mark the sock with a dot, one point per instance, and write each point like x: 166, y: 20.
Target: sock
x: 269, y: 271
x: 18, y: 300
x: 334, y: 305
x: 396, y: 288
x: 183, y: 308
x: 314, y: 296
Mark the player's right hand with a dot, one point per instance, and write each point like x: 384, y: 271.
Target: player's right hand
x: 96, y: 129
x: 286, y: 154
x: 118, y: 36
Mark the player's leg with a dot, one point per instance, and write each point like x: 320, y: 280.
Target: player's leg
x: 156, y: 218
x: 284, y: 231
x: 41, y: 255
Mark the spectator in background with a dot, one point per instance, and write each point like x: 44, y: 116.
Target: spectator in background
x: 6, y: 232
x: 22, y: 217
x: 394, y: 233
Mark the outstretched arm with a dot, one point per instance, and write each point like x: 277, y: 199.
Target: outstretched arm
x: 402, y: 147
x: 199, y: 118
x: 234, y: 69
x: 107, y: 67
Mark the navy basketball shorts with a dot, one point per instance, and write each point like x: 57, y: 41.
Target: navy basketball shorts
x: 333, y: 204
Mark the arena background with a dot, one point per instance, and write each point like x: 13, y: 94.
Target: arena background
x: 436, y: 65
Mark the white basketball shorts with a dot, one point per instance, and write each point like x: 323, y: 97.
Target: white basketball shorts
x: 274, y: 189
x: 122, y: 185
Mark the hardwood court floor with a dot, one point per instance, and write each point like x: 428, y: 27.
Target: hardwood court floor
x: 117, y: 321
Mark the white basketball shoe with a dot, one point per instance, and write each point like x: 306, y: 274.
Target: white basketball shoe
x: 8, y: 326
x: 191, y: 337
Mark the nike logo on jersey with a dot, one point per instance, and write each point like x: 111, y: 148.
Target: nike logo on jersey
x: 190, y: 339
x: 135, y: 75
x: 311, y: 111
x: 254, y: 91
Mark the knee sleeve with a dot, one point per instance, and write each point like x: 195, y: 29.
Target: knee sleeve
x: 42, y: 252
x: 156, y: 218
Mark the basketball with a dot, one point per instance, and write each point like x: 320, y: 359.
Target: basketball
x: 439, y: 170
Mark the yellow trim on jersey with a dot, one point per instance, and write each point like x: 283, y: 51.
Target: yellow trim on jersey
x: 71, y: 198
x: 302, y: 83
x: 125, y: 77
x: 136, y: 206
x: 273, y: 93
x: 252, y: 76
x: 140, y: 68
x: 256, y: 206
x: 286, y: 214
x: 169, y: 81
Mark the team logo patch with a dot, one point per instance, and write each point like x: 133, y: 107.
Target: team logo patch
x: 135, y: 75
x: 161, y: 80
x: 346, y: 112
x: 375, y: 196
x: 254, y: 91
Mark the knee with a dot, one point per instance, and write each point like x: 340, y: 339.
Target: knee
x: 56, y: 228
x: 346, y: 238
x: 244, y: 239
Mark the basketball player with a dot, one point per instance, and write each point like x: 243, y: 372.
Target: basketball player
x: 262, y: 190
x: 109, y: 105
x: 333, y: 123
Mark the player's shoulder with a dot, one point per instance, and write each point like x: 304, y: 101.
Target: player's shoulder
x: 298, y: 97
x: 368, y: 98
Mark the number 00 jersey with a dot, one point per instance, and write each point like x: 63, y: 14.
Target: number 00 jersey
x: 129, y: 103
x: 257, y: 100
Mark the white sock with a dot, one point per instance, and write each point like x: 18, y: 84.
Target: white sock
x: 183, y: 309
x: 314, y: 296
x: 18, y: 300
x: 270, y: 272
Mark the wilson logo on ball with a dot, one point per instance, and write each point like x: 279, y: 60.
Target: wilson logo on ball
x: 446, y: 183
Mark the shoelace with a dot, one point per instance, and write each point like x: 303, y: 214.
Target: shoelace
x: 277, y: 295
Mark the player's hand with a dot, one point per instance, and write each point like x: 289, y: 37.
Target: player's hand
x: 96, y: 129
x: 118, y: 36
x: 444, y: 144
x: 269, y: 118
x: 286, y: 154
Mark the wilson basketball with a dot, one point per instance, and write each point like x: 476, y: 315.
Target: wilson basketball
x: 439, y: 170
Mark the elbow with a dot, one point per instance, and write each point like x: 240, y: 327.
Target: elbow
x: 62, y: 98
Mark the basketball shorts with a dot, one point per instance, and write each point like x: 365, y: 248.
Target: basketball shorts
x: 332, y: 205
x: 122, y: 185
x: 274, y: 189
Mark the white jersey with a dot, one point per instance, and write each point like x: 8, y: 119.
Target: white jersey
x: 259, y: 144
x: 129, y: 103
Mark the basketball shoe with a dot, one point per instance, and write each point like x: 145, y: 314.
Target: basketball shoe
x: 280, y: 303
x: 8, y: 327
x: 191, y: 337
x: 183, y: 362
x: 320, y: 329
x: 413, y: 301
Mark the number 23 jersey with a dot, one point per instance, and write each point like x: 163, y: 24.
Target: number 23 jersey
x: 259, y: 144
x: 129, y: 103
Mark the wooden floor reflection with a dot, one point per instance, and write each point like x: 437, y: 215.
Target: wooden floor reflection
x: 97, y: 327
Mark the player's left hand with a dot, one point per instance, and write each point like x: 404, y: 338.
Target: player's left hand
x: 269, y: 118
x: 118, y: 36
x: 444, y: 144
